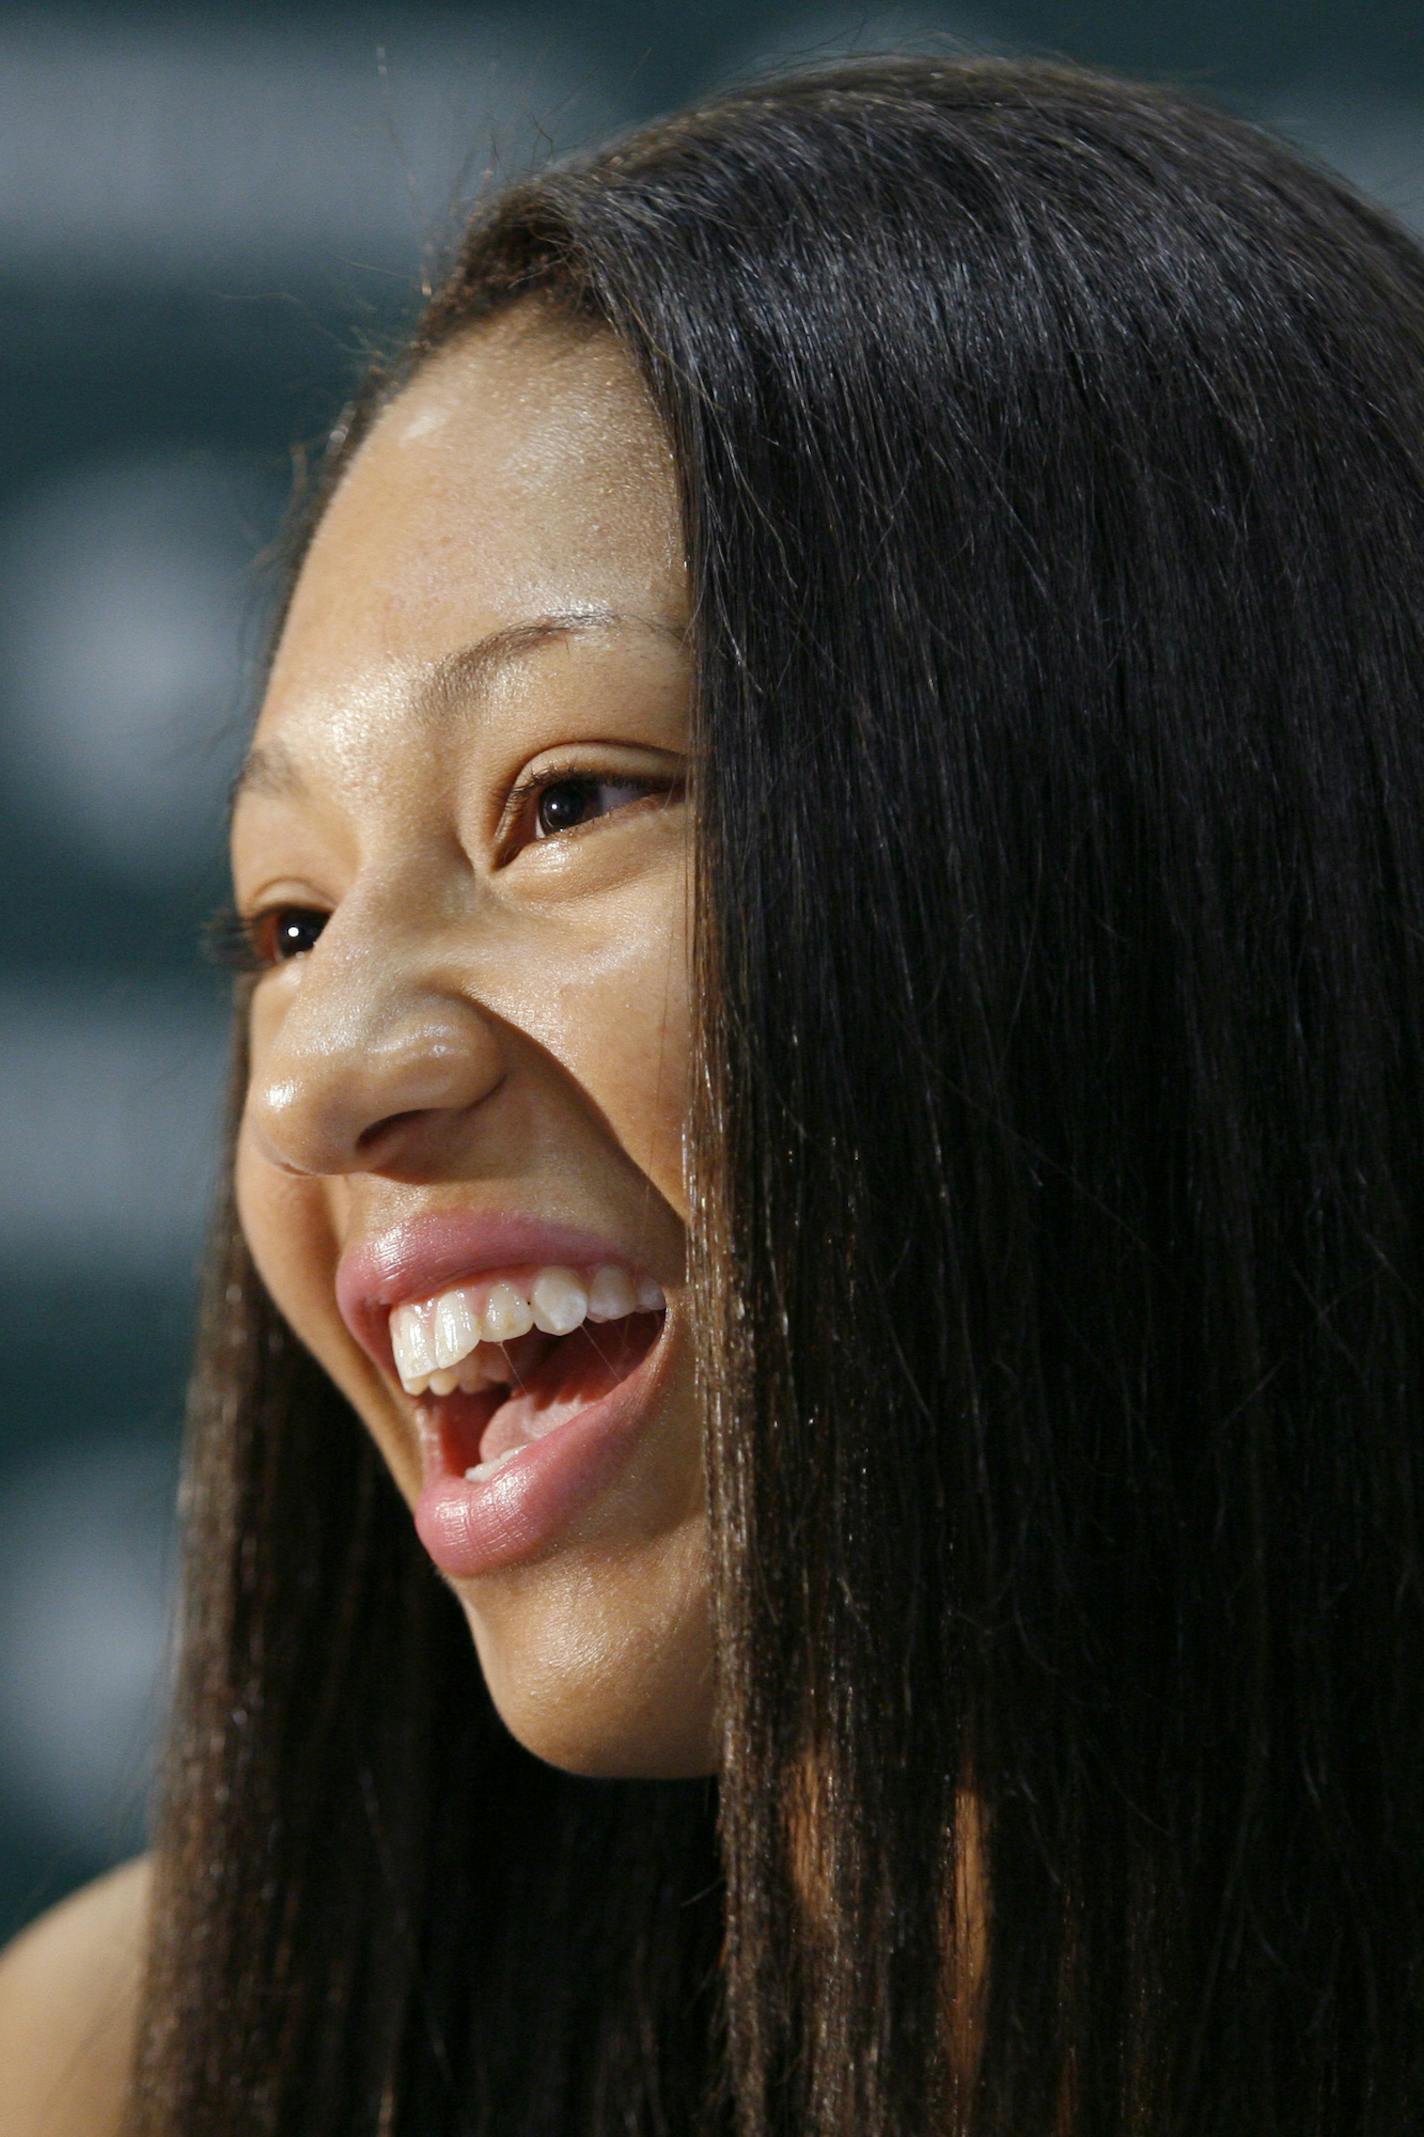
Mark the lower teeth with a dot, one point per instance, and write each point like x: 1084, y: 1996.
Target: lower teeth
x: 482, y: 1470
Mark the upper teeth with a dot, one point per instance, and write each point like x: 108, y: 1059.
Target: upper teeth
x: 437, y: 1334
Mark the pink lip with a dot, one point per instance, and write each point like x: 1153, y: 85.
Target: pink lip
x: 414, y: 1259
x: 513, y: 1517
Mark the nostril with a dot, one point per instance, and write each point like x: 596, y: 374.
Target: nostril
x: 384, y: 1136
x: 329, y: 1119
x: 388, y: 1126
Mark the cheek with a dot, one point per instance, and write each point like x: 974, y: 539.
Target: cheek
x: 624, y: 1035
x: 288, y: 1229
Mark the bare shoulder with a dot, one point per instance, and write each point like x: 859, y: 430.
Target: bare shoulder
x: 68, y: 2001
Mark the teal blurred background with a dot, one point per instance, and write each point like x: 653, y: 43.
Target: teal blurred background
x: 206, y: 216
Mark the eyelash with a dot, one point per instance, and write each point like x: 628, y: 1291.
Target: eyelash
x: 234, y: 940
x: 571, y: 775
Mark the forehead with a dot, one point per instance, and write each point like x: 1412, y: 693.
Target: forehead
x: 522, y: 472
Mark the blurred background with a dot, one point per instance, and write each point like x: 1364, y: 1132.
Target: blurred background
x: 207, y: 216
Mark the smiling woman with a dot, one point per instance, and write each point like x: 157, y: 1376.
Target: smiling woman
x: 460, y: 854
x: 803, y: 1472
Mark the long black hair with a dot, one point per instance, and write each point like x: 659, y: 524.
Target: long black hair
x: 1051, y: 452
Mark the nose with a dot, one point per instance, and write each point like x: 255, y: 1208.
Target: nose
x: 368, y: 1067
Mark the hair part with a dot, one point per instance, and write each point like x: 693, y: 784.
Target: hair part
x: 1052, y: 477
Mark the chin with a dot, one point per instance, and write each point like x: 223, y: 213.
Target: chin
x: 608, y: 1711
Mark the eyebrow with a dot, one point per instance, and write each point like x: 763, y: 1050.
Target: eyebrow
x: 469, y: 670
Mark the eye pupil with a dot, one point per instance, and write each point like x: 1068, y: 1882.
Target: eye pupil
x: 562, y: 806
x: 292, y: 931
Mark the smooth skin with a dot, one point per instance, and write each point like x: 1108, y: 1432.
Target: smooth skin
x: 68, y: 2005
x: 487, y: 1018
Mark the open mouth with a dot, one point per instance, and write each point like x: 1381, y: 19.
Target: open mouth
x: 537, y: 1382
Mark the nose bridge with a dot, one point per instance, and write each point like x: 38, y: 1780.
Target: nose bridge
x: 377, y: 1045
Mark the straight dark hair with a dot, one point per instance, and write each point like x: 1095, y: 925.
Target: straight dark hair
x: 1052, y: 462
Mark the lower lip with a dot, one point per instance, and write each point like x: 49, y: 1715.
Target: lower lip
x: 472, y: 1526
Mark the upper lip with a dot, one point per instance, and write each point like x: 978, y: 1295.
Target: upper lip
x: 422, y: 1255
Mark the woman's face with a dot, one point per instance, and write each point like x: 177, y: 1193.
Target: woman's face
x: 469, y: 1035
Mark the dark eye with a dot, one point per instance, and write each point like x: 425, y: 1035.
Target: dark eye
x: 285, y: 931
x: 566, y: 800
x: 255, y: 942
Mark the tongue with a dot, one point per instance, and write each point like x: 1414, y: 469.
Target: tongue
x: 574, y: 1372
